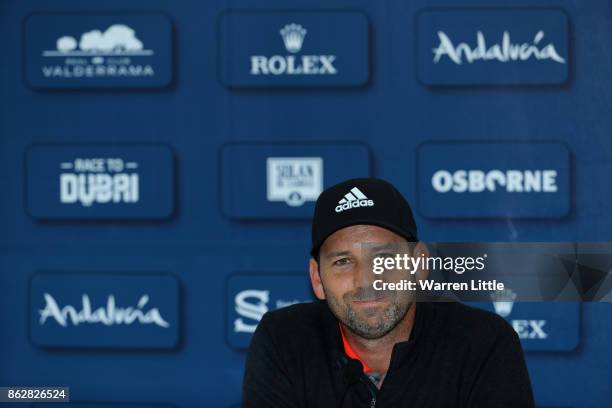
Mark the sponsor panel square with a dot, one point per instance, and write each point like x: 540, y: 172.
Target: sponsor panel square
x: 98, y: 50
x: 297, y: 48
x: 492, y: 46
x: 104, y: 310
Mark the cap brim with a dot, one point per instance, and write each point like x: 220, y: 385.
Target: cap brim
x: 349, y: 223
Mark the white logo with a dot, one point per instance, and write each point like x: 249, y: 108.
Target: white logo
x: 504, y: 52
x: 293, y: 37
x: 477, y: 181
x: 294, y: 180
x: 254, y: 309
x: 503, y: 302
x: 530, y: 329
x: 99, y: 180
x: 353, y: 199
x: 99, y: 54
x: 109, y: 316
x: 118, y: 39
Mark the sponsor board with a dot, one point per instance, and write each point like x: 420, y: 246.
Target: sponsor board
x: 492, y: 46
x: 308, y: 48
x: 294, y: 180
x: 249, y: 297
x: 540, y: 326
x: 99, y: 181
x: 493, y: 180
x: 283, y: 181
x: 98, y: 50
x: 104, y: 310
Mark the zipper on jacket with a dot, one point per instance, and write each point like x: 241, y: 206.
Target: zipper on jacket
x: 371, y: 388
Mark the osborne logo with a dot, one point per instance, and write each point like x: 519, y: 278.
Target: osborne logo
x: 490, y: 180
x: 511, y: 181
x: 293, y: 36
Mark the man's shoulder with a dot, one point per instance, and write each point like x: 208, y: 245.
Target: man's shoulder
x: 300, y: 318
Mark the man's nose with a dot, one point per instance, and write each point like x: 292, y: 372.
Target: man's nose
x: 364, y: 277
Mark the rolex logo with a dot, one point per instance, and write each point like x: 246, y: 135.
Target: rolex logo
x: 503, y: 301
x: 293, y: 64
x: 293, y: 37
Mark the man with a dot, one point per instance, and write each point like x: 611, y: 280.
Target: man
x: 361, y: 347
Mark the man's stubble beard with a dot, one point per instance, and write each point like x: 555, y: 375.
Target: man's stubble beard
x: 388, y: 320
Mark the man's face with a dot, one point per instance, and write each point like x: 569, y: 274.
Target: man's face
x: 346, y: 278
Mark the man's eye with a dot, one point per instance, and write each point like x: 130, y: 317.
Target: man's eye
x: 342, y: 261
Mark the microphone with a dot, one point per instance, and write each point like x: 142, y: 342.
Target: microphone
x: 351, y: 372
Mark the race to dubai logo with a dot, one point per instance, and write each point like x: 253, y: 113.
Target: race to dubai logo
x: 89, y: 180
x: 114, y: 52
x: 109, y: 315
x: 293, y: 36
x: 504, y: 51
x: 294, y: 180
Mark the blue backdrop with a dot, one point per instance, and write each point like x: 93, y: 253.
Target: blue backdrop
x: 159, y: 162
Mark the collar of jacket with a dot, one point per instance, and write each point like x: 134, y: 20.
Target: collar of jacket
x: 403, y: 352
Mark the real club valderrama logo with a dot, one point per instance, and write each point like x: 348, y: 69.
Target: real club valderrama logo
x: 114, y: 52
x: 295, y: 62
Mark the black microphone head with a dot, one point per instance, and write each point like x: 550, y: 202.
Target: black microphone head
x: 352, y: 371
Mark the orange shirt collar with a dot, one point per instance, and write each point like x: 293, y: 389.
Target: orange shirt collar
x: 350, y: 352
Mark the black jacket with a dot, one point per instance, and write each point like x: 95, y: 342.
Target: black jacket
x: 456, y: 356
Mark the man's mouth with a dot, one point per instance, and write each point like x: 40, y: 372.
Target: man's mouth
x: 370, y: 302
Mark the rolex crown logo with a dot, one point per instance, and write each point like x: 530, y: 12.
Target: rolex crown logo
x: 293, y: 37
x: 503, y: 301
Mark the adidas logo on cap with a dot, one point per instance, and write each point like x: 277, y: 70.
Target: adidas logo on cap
x: 353, y: 199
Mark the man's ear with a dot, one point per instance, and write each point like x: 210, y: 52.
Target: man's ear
x: 420, y: 248
x: 315, y: 279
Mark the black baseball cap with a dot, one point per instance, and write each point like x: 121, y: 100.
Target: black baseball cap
x: 368, y: 201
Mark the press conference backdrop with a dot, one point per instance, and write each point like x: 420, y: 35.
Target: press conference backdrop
x: 160, y: 160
